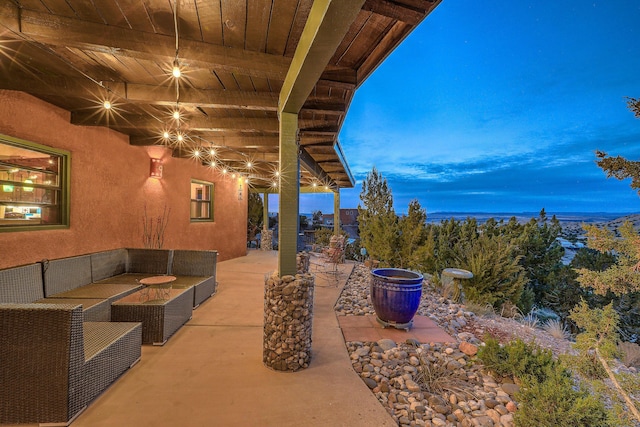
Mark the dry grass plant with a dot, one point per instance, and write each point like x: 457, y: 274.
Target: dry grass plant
x: 529, y: 320
x: 437, y: 379
x: 447, y: 289
x: 630, y: 353
x: 479, y: 309
x: 510, y: 310
x: 557, y: 329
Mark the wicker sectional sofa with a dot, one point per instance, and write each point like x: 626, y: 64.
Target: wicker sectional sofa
x: 58, y: 348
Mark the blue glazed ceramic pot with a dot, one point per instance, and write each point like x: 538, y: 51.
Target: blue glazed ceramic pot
x: 395, y: 294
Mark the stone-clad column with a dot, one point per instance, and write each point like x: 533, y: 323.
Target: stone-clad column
x: 266, y: 240
x: 288, y: 315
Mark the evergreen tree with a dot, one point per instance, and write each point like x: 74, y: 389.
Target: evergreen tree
x: 377, y: 220
x: 255, y: 215
x: 413, y: 237
x: 541, y: 253
x: 497, y: 275
x: 601, y: 325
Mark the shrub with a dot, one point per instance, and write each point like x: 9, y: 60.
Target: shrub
x: 497, y: 275
x: 516, y: 359
x: 556, y: 402
x: 587, y: 366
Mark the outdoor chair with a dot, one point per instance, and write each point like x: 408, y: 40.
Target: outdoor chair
x: 326, y: 262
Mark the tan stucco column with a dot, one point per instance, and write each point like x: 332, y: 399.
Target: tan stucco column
x: 336, y: 212
x: 288, y: 217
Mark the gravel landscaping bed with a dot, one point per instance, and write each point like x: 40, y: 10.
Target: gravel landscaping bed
x: 437, y: 384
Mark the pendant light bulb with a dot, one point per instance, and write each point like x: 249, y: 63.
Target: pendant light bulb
x: 176, y: 70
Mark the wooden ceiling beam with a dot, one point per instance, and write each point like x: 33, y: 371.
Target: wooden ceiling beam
x: 393, y: 10
x: 201, y: 124
x: 396, y: 34
x: 63, y: 31
x: 74, y: 87
x: 326, y: 26
x: 192, y: 123
x: 250, y: 142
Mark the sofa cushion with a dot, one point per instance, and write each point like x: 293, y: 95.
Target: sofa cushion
x: 154, y: 261
x: 108, y: 263
x: 21, y: 284
x: 64, y: 274
x: 194, y: 263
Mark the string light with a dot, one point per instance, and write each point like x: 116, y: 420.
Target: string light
x: 106, y: 105
x: 165, y: 135
x: 176, y: 114
x: 176, y: 69
x: 212, y: 152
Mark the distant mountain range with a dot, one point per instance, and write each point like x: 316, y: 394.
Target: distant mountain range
x: 564, y: 217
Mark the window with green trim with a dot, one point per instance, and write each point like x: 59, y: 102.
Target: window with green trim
x: 201, y: 200
x: 34, y: 186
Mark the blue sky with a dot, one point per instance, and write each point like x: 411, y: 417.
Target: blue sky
x: 499, y: 106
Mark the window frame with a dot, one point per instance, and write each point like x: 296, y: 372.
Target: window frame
x: 209, y: 201
x: 63, y: 186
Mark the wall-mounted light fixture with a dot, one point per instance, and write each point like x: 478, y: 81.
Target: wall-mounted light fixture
x: 240, y: 188
x: 156, y: 168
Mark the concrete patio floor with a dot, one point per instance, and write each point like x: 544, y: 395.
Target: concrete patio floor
x: 210, y: 373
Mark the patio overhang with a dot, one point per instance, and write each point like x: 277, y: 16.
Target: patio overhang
x: 244, y: 67
x: 234, y: 57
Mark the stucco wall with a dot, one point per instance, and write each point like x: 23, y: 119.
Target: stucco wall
x: 110, y: 188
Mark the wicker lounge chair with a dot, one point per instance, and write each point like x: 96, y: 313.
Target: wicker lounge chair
x: 54, y: 364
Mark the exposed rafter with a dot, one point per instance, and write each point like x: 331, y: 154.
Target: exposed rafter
x: 77, y: 54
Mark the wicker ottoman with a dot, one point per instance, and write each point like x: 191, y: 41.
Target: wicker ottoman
x: 160, y: 317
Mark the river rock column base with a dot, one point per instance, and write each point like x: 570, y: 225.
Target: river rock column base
x: 266, y: 240
x: 303, y: 261
x: 288, y: 315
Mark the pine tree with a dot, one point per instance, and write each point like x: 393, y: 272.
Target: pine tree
x: 412, y: 238
x: 377, y: 220
x: 601, y: 325
x: 255, y: 215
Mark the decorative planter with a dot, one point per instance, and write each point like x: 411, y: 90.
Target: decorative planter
x: 395, y: 294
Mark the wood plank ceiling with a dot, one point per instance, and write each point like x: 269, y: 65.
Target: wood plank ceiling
x: 233, y: 56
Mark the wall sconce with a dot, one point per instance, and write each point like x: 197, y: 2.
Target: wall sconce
x: 156, y: 168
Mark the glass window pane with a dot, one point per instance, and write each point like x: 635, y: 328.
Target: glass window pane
x: 33, y: 185
x: 201, y: 208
